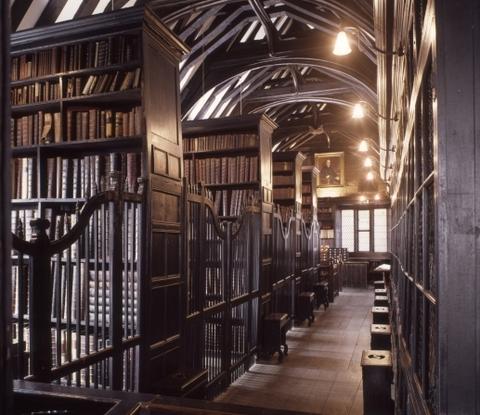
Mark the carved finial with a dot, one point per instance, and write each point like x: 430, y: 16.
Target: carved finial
x: 141, y: 185
x: 39, y: 227
x: 114, y: 181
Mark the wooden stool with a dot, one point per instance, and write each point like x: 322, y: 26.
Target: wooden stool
x: 377, y: 377
x: 321, y: 294
x: 381, y: 301
x: 275, y: 327
x: 380, y: 315
x: 304, y: 307
x: 381, y: 337
x: 380, y: 291
x: 379, y: 284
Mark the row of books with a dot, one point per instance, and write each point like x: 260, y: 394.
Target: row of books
x: 60, y: 59
x: 36, y: 92
x: 107, y: 82
x: 283, y: 180
x: 282, y: 166
x: 222, y: 170
x: 306, y: 200
x: 94, y: 123
x: 220, y: 142
x: 232, y: 202
x: 283, y: 193
x: 327, y: 233
x: 306, y: 188
x: 83, y: 177
x: 23, y: 178
x: 37, y: 128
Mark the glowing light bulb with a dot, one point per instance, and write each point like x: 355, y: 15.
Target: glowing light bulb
x: 363, y: 146
x: 342, y: 45
x: 362, y: 198
x: 377, y: 197
x: 369, y: 176
x: 358, y: 111
x: 368, y: 162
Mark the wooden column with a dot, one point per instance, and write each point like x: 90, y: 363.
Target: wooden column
x: 458, y: 198
x: 5, y: 245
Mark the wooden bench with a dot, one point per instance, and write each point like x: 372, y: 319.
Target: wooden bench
x: 304, y: 306
x: 275, y: 327
x: 321, y: 290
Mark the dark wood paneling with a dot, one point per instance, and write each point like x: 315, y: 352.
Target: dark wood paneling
x: 458, y: 197
x: 5, y: 245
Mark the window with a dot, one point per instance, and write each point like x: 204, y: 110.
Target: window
x: 348, y: 235
x: 364, y: 230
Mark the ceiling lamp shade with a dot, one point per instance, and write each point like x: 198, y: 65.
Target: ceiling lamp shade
x: 369, y: 176
x: 342, y: 45
x: 363, y: 146
x: 358, y: 111
x: 368, y: 162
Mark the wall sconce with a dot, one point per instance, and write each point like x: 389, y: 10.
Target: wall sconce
x: 370, y: 176
x: 359, y: 112
x: 342, y: 43
x: 368, y: 162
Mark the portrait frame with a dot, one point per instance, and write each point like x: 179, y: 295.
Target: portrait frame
x: 334, y: 174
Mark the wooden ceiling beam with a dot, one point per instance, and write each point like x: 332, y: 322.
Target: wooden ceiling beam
x: 268, y: 26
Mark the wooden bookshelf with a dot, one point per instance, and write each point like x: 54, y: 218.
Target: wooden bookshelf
x: 86, y: 101
x: 309, y: 192
x: 326, y: 217
x: 232, y: 157
x: 287, y: 182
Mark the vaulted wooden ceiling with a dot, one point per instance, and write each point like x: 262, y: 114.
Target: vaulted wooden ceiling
x: 260, y: 56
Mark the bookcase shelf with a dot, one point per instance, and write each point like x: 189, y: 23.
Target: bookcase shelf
x: 89, y: 99
x: 233, y: 156
x: 309, y: 192
x: 287, y: 182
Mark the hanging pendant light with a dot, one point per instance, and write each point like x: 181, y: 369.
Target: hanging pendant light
x: 363, y: 146
x: 358, y: 111
x: 342, y: 45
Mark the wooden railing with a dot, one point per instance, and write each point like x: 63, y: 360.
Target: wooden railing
x: 75, y: 305
x: 78, y: 296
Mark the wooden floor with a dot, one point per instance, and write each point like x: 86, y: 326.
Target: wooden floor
x: 322, y: 372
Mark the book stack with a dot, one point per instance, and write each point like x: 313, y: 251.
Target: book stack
x: 220, y: 142
x: 233, y: 202
x: 107, y: 82
x: 95, y: 123
x: 222, y: 170
x: 283, y: 193
x: 39, y: 128
x: 24, y: 173
x: 85, y: 176
x: 95, y: 54
x: 35, y: 92
x: 283, y: 166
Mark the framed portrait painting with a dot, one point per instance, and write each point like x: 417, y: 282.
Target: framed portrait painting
x: 332, y: 169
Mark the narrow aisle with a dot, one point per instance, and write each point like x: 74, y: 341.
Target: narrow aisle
x: 322, y: 372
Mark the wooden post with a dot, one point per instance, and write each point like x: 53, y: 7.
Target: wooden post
x: 40, y: 302
x: 116, y: 271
